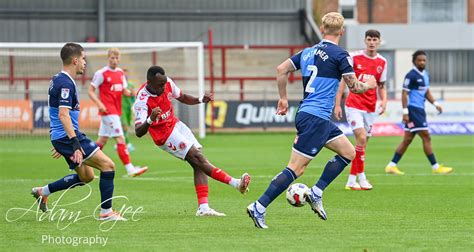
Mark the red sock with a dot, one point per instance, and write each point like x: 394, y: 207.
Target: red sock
x: 355, y: 165
x: 220, y: 175
x: 360, y: 157
x: 100, y: 145
x: 201, y: 192
x: 123, y: 153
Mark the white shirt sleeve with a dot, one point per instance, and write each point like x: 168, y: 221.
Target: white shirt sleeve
x: 141, y: 111
x: 124, y: 81
x: 98, y: 79
x: 174, y: 89
x: 383, y: 76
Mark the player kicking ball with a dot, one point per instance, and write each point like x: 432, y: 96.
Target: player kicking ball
x: 154, y: 114
x: 360, y: 108
x: 80, y: 152
x: 322, y: 67
x: 415, y: 92
x: 112, y: 85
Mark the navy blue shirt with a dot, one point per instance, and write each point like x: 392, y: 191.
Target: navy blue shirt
x: 322, y: 67
x: 62, y: 93
x: 417, y: 84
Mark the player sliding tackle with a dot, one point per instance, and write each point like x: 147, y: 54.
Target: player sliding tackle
x: 154, y: 114
x: 322, y: 67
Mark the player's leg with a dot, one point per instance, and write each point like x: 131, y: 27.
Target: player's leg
x: 182, y: 144
x: 356, y: 121
x: 106, y: 167
x: 126, y: 119
x: 198, y: 161
x: 64, y: 147
x: 436, y: 168
x: 115, y: 131
x: 202, y: 191
x: 338, y: 143
x: 402, y: 147
x: 362, y: 138
x: 309, y: 140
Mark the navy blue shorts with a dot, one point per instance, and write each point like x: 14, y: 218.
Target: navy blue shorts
x: 64, y: 147
x: 313, y: 133
x: 417, y: 119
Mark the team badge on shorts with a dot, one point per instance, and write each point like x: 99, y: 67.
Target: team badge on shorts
x: 353, y: 123
x: 64, y: 93
x: 182, y: 145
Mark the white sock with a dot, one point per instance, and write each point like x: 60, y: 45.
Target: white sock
x: 317, y: 191
x: 260, y: 207
x: 130, y: 168
x: 435, y: 166
x: 352, y: 179
x: 105, y: 211
x: 45, y: 191
x: 234, y: 182
x: 392, y: 164
x: 203, y: 206
x: 362, y: 176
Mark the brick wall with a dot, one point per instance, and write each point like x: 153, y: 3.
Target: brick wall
x: 470, y: 11
x: 383, y: 11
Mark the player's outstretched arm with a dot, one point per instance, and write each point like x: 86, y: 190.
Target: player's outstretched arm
x: 356, y: 86
x: 191, y: 100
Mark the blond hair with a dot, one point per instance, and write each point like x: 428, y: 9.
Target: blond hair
x: 332, y: 23
x: 114, y: 51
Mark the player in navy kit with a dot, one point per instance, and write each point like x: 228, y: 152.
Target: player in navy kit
x: 322, y: 66
x: 80, y: 152
x: 415, y: 92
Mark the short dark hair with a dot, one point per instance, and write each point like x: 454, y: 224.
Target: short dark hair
x: 70, y: 50
x: 416, y: 54
x: 152, y: 71
x: 372, y: 33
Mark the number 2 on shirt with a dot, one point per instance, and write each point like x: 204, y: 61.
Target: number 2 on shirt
x: 314, y: 70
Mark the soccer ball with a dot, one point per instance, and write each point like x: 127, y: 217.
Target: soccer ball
x: 296, y: 194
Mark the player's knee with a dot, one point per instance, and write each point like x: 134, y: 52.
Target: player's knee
x: 108, y: 165
x: 350, y: 154
x: 87, y: 178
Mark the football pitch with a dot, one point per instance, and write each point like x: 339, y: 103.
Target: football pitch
x: 417, y: 211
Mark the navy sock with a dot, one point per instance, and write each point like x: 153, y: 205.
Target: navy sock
x: 106, y: 186
x: 333, y: 168
x: 70, y: 181
x: 278, y: 185
x: 432, y: 158
x: 396, y: 157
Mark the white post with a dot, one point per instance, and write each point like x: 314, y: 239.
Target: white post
x: 202, y: 107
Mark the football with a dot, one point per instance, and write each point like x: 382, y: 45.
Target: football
x: 296, y: 194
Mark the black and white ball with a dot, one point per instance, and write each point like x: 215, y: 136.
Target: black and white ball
x: 296, y: 194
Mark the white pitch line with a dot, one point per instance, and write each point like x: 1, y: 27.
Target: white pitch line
x: 255, y: 176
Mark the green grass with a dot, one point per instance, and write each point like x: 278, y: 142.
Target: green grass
x: 416, y: 212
